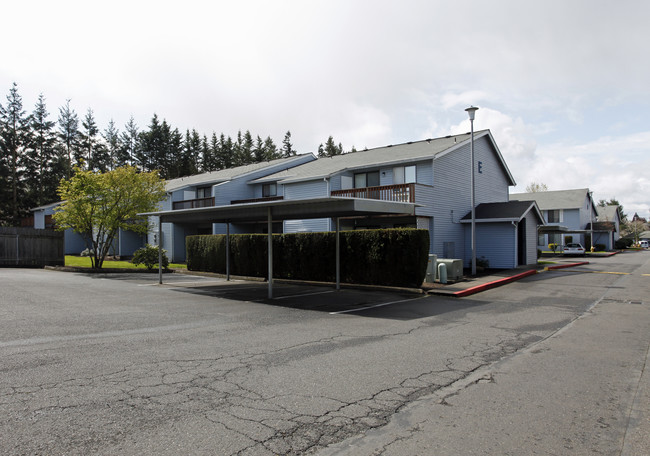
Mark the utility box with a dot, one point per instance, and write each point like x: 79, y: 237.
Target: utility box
x: 432, y: 267
x: 454, y: 268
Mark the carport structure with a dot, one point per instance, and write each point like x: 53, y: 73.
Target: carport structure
x: 270, y: 211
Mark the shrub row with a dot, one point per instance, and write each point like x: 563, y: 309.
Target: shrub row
x: 396, y: 257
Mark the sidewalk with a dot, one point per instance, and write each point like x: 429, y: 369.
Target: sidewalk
x: 471, y: 285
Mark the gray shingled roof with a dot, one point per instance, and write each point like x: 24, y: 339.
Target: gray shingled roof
x: 412, y: 151
x: 507, y: 211
x: 557, y: 199
x: 224, y: 175
x: 607, y: 213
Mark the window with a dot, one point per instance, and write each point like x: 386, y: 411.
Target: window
x: 370, y: 179
x: 203, y: 192
x: 269, y: 190
x: 404, y: 174
x: 553, y: 216
x: 409, y: 174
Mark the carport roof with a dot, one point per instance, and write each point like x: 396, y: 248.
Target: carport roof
x: 292, y: 209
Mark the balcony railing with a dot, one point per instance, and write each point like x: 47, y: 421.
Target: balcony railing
x: 191, y: 204
x: 403, y: 193
x: 257, y: 200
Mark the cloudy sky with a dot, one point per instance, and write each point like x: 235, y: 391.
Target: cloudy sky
x: 564, y: 86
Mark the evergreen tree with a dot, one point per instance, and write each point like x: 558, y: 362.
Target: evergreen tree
x: 225, y: 155
x: 13, y: 140
x: 205, y: 152
x: 149, y: 144
x: 210, y: 156
x: 287, y: 147
x: 113, y: 145
x: 331, y: 149
x: 258, y: 150
x: 42, y: 176
x: 88, y: 141
x: 271, y: 150
x: 69, y: 135
x: 246, y: 149
x: 129, y: 144
x: 189, y: 159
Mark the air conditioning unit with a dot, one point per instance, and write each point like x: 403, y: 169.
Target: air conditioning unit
x: 432, y: 268
x: 454, y: 268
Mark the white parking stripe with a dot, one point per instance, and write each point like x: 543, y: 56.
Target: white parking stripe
x: 375, y: 306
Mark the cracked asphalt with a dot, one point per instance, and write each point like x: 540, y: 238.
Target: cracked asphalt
x: 116, y: 364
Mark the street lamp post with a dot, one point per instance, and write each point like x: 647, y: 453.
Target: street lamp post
x: 471, y: 111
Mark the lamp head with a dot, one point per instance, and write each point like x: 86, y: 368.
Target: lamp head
x: 471, y: 110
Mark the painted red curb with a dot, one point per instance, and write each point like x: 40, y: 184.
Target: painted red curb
x: 495, y: 283
x: 570, y: 265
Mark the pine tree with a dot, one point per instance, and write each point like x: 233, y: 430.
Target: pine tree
x: 113, y: 145
x: 69, y: 135
x: 287, y: 147
x: 13, y: 140
x: 88, y: 141
x: 42, y: 176
x: 271, y: 150
x: 225, y: 155
x: 331, y: 149
x: 129, y: 144
x: 258, y: 150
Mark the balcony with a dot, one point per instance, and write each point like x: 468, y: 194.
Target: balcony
x: 257, y: 200
x: 194, y: 203
x: 402, y: 193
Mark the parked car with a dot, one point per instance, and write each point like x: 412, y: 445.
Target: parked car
x: 645, y: 244
x: 574, y: 249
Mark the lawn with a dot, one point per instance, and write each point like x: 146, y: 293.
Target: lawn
x: 84, y: 262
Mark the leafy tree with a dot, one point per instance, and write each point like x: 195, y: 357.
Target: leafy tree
x: 287, y: 147
x: 13, y: 140
x: 69, y: 134
x: 534, y: 187
x: 97, y: 205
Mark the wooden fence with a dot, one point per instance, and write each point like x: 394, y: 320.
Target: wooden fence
x: 31, y: 247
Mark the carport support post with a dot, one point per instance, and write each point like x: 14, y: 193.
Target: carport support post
x: 338, y: 255
x: 270, y: 254
x: 159, y: 250
x: 228, y: 251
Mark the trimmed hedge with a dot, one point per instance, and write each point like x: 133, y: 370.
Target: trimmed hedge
x: 396, y: 257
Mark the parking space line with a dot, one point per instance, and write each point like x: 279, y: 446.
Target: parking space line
x: 375, y: 306
x: 306, y: 294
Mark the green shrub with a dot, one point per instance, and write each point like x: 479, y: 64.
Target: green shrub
x: 148, y: 256
x: 382, y: 257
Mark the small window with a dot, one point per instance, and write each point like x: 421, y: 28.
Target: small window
x: 203, y: 192
x: 270, y: 190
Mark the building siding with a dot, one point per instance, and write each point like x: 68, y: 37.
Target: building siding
x: 494, y: 241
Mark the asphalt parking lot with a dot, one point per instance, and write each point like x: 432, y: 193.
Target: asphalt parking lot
x: 117, y: 364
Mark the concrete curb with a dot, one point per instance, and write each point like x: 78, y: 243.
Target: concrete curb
x: 493, y: 284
